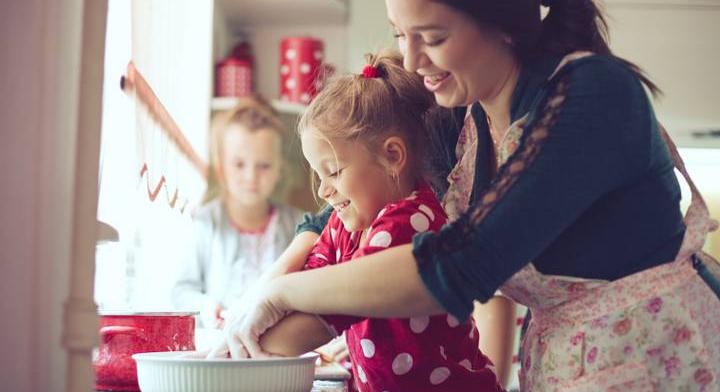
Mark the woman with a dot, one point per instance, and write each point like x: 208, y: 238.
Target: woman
x: 575, y: 214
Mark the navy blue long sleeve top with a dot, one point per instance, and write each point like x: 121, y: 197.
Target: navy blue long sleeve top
x: 596, y: 197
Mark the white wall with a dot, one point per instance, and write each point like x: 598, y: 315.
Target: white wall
x: 677, y: 44
x: 368, y: 31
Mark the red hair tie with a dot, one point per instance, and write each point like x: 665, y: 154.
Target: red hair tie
x: 370, y: 72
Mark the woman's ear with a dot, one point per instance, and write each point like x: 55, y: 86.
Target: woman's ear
x: 394, y: 154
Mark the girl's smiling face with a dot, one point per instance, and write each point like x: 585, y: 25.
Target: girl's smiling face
x: 352, y: 179
x: 460, y: 61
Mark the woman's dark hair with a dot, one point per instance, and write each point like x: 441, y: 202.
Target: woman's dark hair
x: 569, y: 26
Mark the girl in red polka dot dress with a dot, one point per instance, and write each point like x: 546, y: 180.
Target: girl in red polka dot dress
x: 363, y: 137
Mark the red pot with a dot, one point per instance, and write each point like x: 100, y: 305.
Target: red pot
x: 124, y: 334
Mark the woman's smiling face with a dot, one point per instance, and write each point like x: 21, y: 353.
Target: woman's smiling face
x: 460, y: 61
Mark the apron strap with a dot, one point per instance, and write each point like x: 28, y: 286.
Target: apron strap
x: 697, y: 218
x: 696, y: 196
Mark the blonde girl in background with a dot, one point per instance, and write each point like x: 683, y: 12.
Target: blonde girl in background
x: 240, y: 230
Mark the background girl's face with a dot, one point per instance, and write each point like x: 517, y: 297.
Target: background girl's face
x: 351, y: 179
x: 460, y: 61
x: 251, y: 163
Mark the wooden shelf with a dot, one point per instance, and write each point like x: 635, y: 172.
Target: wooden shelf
x: 227, y: 103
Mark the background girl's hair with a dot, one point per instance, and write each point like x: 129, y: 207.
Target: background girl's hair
x: 569, y: 26
x: 369, y: 110
x: 253, y: 113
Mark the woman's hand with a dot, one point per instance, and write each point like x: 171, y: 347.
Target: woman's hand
x: 211, y: 315
x: 243, y: 331
x: 292, y: 259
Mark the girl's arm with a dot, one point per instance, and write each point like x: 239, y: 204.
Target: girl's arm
x: 295, y: 335
x: 293, y: 258
x: 495, y: 321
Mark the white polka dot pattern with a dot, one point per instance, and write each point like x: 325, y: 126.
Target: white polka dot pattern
x: 419, y: 222
x: 442, y: 352
x: 381, y: 239
x: 305, y: 68
x: 368, y: 348
x: 427, y: 211
x: 466, y: 364
x: 290, y: 54
x: 361, y: 374
x: 439, y: 375
x: 284, y: 69
x: 419, y: 324
x: 290, y: 84
x: 402, y: 364
x: 381, y: 212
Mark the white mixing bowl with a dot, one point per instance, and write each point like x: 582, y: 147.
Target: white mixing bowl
x: 185, y: 372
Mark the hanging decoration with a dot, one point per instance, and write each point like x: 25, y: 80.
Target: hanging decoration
x: 166, y: 157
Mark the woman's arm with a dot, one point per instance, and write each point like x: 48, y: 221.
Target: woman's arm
x: 295, y: 335
x: 384, y: 284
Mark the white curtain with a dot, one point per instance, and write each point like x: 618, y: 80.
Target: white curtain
x: 170, y: 43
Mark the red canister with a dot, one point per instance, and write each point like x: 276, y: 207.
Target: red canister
x: 234, y: 74
x: 301, y: 61
x: 124, y: 334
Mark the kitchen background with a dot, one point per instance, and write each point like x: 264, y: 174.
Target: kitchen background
x: 61, y: 64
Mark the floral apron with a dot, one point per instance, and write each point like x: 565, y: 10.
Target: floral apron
x: 656, y: 330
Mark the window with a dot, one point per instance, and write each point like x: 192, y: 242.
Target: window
x: 170, y: 43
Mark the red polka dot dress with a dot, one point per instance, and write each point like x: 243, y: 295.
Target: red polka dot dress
x: 399, y: 355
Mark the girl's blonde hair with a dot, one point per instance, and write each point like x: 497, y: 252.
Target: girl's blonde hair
x: 253, y: 113
x: 370, y: 109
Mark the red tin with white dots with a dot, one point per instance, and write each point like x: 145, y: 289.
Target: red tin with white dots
x: 301, y: 60
x: 234, y: 74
